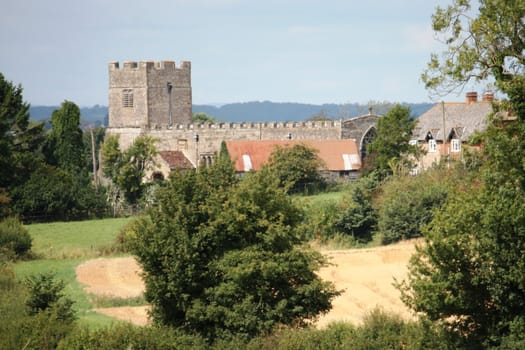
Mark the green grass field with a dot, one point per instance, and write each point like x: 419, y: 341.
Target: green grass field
x: 78, y: 239
x: 61, y: 246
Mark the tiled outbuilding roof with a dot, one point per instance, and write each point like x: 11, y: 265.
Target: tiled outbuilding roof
x: 461, y: 120
x: 337, y: 155
x: 176, y: 160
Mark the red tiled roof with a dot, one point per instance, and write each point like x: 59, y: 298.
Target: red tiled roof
x: 176, y: 160
x: 337, y: 155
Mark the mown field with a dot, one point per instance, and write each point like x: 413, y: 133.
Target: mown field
x: 61, y: 246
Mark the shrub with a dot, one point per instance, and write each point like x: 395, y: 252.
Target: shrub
x: 126, y: 336
x: 14, y: 238
x: 359, y: 218
x: 46, y: 293
x: 126, y: 236
x: 407, y: 204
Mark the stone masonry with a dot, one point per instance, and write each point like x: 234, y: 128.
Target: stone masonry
x: 155, y: 99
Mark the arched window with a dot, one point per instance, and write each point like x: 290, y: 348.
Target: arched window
x: 367, y: 139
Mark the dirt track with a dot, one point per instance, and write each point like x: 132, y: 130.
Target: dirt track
x: 366, y: 275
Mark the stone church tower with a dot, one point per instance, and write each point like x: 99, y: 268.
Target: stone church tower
x: 149, y: 95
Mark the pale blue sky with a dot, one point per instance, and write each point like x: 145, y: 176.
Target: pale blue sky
x: 331, y: 51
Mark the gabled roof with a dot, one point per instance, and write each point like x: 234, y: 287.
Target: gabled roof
x: 337, y: 155
x: 176, y: 160
x: 462, y: 119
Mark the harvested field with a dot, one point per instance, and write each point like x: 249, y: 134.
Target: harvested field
x: 365, y: 275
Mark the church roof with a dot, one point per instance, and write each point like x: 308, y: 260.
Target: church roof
x: 176, y: 160
x: 337, y: 155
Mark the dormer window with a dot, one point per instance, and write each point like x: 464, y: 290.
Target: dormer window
x: 127, y: 98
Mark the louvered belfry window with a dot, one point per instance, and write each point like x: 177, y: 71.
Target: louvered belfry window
x: 127, y: 98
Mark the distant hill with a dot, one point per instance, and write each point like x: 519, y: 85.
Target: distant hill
x: 96, y: 115
x: 252, y: 111
x: 272, y: 111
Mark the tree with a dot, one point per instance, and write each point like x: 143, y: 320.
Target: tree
x: 296, y: 167
x: 202, y: 118
x: 223, y: 258
x: 469, y: 275
x: 391, y: 148
x: 359, y: 218
x: 65, y: 147
x: 489, y: 47
x: 127, y: 169
x: 20, y: 139
x: 52, y: 193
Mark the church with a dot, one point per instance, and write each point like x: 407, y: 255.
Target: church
x: 155, y: 99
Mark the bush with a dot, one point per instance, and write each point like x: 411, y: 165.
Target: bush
x: 407, y: 204
x: 126, y: 336
x: 46, y: 293
x: 15, y: 240
x: 126, y: 236
x: 350, y: 220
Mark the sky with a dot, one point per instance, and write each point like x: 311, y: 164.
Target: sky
x: 307, y: 51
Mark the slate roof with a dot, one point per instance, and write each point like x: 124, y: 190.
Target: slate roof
x: 176, y: 160
x: 337, y: 155
x: 461, y: 120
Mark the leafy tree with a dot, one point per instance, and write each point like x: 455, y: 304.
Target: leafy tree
x: 202, y: 118
x: 223, y: 258
x: 127, y: 169
x: 483, y: 46
x: 65, y: 146
x: 359, y: 218
x: 223, y: 152
x: 20, y: 139
x: 320, y: 116
x: 469, y: 275
x: 296, y: 167
x: 56, y: 194
x: 390, y: 149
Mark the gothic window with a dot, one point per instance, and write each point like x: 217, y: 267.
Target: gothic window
x: 370, y: 135
x: 127, y: 98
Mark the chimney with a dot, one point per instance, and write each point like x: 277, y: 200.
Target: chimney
x: 472, y: 97
x: 488, y: 97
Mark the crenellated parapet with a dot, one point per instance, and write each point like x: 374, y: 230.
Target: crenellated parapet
x: 254, y: 125
x: 166, y: 65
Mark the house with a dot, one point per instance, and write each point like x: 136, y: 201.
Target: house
x: 443, y: 131
x: 340, y: 157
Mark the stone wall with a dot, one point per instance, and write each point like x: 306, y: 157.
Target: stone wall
x: 161, y: 108
x: 161, y: 94
x: 182, y: 137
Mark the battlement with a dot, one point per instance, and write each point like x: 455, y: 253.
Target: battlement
x: 254, y: 125
x: 150, y: 65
